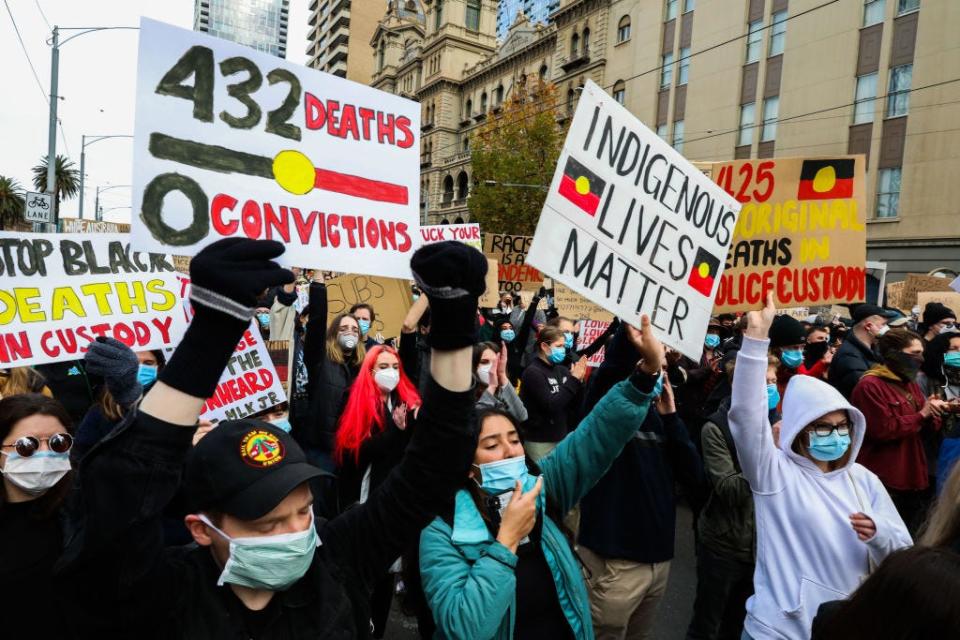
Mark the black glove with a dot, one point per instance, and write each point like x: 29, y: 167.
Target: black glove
x: 226, y: 279
x: 118, y: 366
x: 452, y: 275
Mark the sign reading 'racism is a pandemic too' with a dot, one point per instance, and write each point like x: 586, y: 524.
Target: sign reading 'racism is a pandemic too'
x: 231, y: 142
x: 633, y: 226
x: 800, y: 233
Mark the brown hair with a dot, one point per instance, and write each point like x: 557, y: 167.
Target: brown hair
x: 942, y: 528
x: 555, y: 322
x: 549, y: 334
x: 896, y: 340
x: 335, y: 351
x: 19, y: 380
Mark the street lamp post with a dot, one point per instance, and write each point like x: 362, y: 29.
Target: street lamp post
x: 97, y: 214
x: 83, y: 159
x: 126, y: 206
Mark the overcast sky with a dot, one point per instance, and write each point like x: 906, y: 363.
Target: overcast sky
x: 97, y: 82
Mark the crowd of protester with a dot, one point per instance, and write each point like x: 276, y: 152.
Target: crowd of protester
x: 476, y: 465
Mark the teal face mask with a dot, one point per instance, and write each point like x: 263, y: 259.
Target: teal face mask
x: 282, y: 423
x: 364, y: 326
x: 146, y: 374
x: 712, y: 341
x: 557, y: 354
x: 263, y: 319
x: 791, y: 359
x: 952, y: 359
x: 507, y: 335
x: 502, y: 475
x: 773, y: 396
x: 273, y: 563
x: 828, y: 448
x: 568, y: 340
x: 657, y: 387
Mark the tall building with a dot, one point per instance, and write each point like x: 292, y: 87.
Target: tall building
x: 534, y: 10
x: 261, y: 24
x: 339, y: 37
x: 718, y: 79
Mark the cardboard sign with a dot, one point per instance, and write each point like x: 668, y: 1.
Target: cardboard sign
x: 950, y: 299
x: 249, y: 383
x: 895, y: 296
x: 633, y: 226
x: 491, y: 296
x: 510, y: 252
x: 797, y: 313
x: 917, y: 283
x: 59, y: 291
x: 468, y: 234
x: 572, y: 305
x: 232, y: 142
x: 389, y: 297
x: 590, y: 330
x: 801, y: 233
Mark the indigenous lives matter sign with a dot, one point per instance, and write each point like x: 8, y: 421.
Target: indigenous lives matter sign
x: 632, y: 225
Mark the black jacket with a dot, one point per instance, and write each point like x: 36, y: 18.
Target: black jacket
x: 548, y: 391
x: 850, y: 362
x: 120, y: 582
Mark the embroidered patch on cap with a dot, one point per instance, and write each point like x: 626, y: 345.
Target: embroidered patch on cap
x: 261, y: 449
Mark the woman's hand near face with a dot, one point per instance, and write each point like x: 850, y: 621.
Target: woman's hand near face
x: 519, y: 516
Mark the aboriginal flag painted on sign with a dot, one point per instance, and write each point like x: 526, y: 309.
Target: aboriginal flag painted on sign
x: 826, y: 179
x: 581, y: 186
x: 704, y: 272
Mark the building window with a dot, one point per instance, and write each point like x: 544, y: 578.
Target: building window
x: 671, y: 9
x: 684, y: 65
x: 666, y: 71
x: 778, y: 33
x: 678, y: 136
x: 498, y: 95
x: 688, y: 5
x: 771, y: 106
x: 466, y: 144
x: 898, y: 91
x: 623, y: 29
x: 448, y: 189
x: 586, y: 42
x: 619, y: 91
x: 888, y: 193
x: 543, y: 72
x: 864, y: 100
x: 438, y: 15
x: 483, y: 102
x: 906, y: 6
x: 472, y: 18
x: 754, y: 40
x: 468, y: 109
x: 662, y: 131
x: 873, y: 11
x: 463, y: 185
x: 574, y: 45
x: 747, y: 115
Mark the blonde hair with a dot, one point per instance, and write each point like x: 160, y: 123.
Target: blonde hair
x: 335, y: 351
x: 943, y: 526
x: 20, y: 380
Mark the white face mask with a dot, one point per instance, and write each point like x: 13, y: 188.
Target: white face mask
x: 37, y: 474
x: 387, y: 379
x: 483, y: 373
x: 882, y: 330
x: 347, y: 340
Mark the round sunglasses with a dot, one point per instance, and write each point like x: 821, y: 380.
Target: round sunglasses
x: 29, y: 445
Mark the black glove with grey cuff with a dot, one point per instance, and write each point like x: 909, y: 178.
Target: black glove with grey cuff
x: 117, y: 364
x: 226, y: 278
x: 452, y: 276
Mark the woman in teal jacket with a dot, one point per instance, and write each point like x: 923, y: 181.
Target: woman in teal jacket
x: 498, y: 566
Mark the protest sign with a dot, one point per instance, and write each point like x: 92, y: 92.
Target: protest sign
x: 895, y: 295
x: 801, y: 232
x: 59, y: 291
x: 510, y: 252
x: 572, y: 305
x: 916, y: 283
x: 950, y: 299
x: 590, y: 330
x: 249, y: 383
x: 633, y: 226
x: 955, y: 285
x: 80, y: 225
x: 232, y: 142
x: 797, y: 313
x: 468, y: 234
x: 389, y: 297
x: 491, y: 296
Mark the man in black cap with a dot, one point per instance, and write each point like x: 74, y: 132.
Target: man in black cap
x: 261, y: 566
x: 857, y: 354
x: 937, y: 318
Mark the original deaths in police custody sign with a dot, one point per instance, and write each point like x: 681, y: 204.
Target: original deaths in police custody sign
x: 633, y: 226
x: 231, y: 142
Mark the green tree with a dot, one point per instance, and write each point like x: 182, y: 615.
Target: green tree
x: 67, y: 178
x: 11, y: 201
x: 519, y: 146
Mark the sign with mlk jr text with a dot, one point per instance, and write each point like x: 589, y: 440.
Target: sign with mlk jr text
x: 800, y: 233
x: 231, y: 142
x: 633, y: 226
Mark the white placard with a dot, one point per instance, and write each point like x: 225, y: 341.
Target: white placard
x: 249, y: 383
x: 590, y: 330
x: 630, y: 224
x: 955, y: 285
x: 468, y: 234
x: 38, y: 207
x: 231, y: 142
x: 59, y: 291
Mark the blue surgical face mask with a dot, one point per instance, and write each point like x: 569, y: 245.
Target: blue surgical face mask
x: 364, y: 326
x: 791, y: 359
x: 507, y: 335
x: 282, y: 423
x: 263, y: 319
x: 557, y: 354
x: 712, y: 341
x: 952, y: 359
x: 568, y: 340
x: 502, y: 475
x: 146, y: 374
x: 658, y: 386
x: 828, y: 448
x: 773, y: 396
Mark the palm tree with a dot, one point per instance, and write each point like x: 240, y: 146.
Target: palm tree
x: 11, y: 201
x: 67, y: 180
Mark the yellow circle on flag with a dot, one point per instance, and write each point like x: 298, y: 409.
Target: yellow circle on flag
x: 294, y: 172
x: 703, y: 270
x: 825, y: 179
x: 583, y: 185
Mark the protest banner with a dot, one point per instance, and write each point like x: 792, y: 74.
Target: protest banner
x: 232, y: 142
x: 491, y: 295
x: 468, y: 234
x: 916, y: 283
x: 590, y: 330
x: 630, y: 224
x: 510, y: 252
x: 950, y: 299
x: 80, y: 225
x: 801, y: 232
x: 389, y: 297
x: 303, y: 297
x: 572, y: 305
x: 59, y: 291
x: 249, y: 383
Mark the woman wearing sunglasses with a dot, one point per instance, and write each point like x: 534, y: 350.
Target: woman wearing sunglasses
x: 35, y: 466
x: 823, y: 521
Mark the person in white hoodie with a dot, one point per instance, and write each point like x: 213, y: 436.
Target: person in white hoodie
x: 823, y: 521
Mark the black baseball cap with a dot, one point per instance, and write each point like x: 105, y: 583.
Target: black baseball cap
x: 861, y: 312
x: 245, y: 468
